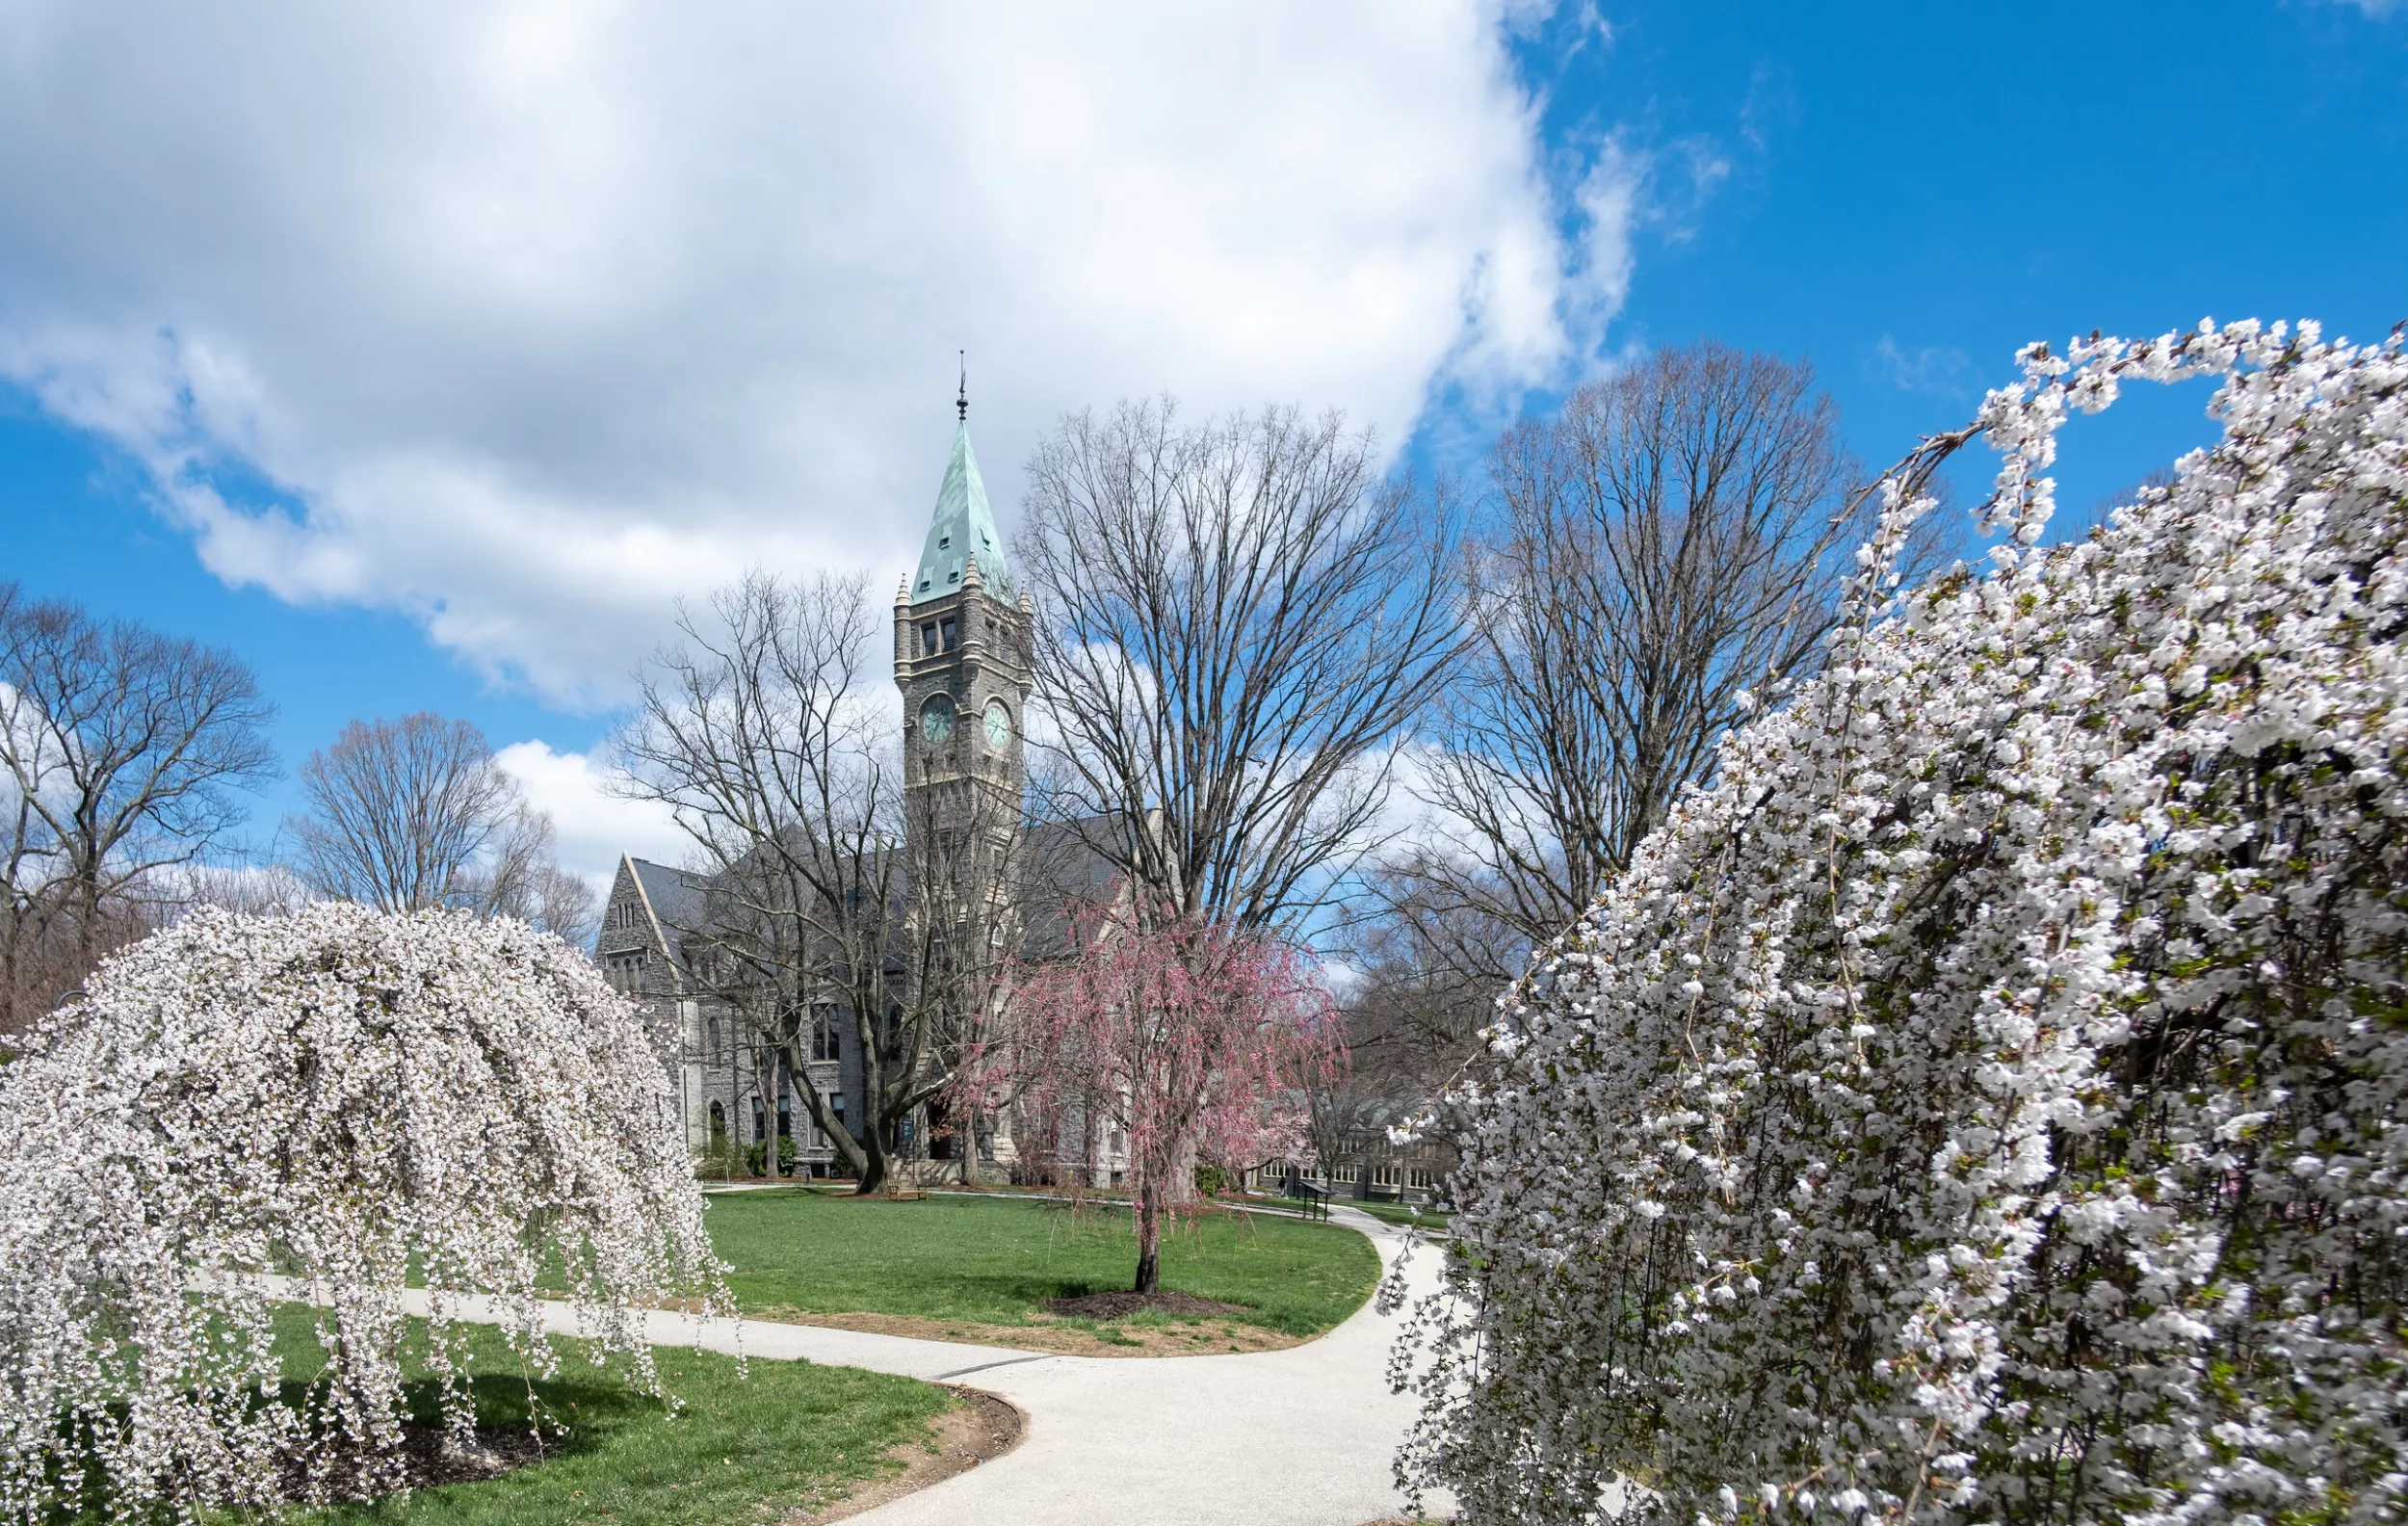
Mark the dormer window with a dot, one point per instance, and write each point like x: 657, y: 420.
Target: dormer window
x: 944, y: 542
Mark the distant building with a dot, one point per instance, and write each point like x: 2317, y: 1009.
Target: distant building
x: 962, y: 654
x: 1361, y: 1162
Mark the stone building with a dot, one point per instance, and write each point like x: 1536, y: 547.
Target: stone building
x: 962, y: 652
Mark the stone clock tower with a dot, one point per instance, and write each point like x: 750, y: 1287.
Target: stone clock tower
x: 962, y: 652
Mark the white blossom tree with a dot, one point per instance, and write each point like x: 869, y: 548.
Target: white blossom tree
x: 1984, y: 1103
x: 343, y: 1096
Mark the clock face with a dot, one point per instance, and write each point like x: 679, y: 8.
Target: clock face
x: 997, y: 725
x: 937, y: 719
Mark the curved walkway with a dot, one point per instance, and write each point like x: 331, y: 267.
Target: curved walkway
x: 1303, y: 1436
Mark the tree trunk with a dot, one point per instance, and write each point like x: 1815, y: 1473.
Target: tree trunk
x: 765, y: 1083
x: 1180, y: 1188
x: 1149, y: 1237
x: 873, y: 1161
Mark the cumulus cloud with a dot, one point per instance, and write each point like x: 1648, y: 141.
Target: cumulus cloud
x: 525, y: 317
x: 593, y: 825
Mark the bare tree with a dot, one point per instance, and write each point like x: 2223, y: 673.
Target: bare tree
x: 1235, y: 621
x: 247, y: 890
x: 756, y: 732
x: 416, y: 812
x: 1409, y: 1015
x: 123, y: 754
x: 550, y: 896
x: 1666, y: 551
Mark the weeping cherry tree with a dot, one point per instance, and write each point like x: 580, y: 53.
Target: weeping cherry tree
x: 1984, y: 1103
x: 345, y: 1097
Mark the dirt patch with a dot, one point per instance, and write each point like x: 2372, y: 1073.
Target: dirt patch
x: 1204, y: 1338
x: 1120, y: 1305
x: 428, y: 1459
x: 980, y: 1429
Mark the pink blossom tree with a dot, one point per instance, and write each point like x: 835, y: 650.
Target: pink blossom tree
x: 1193, y: 1035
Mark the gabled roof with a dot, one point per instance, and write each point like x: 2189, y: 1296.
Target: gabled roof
x: 1063, y: 883
x: 674, y: 896
x: 964, y: 527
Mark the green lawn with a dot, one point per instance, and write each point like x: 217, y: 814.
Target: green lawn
x: 995, y: 1261
x: 739, y: 1451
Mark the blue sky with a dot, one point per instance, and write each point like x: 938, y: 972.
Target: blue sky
x: 421, y: 360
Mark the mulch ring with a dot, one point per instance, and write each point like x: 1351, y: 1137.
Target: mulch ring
x: 428, y: 1458
x: 1120, y: 1305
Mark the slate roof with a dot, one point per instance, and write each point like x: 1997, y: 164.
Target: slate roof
x: 1063, y: 880
x: 675, y: 898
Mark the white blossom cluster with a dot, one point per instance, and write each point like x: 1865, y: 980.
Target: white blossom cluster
x: 1984, y: 1103
x: 342, y: 1095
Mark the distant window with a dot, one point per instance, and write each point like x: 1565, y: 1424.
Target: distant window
x: 826, y: 1043
x: 931, y: 643
x: 951, y: 635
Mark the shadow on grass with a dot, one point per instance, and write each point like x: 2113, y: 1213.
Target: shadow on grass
x: 739, y: 1446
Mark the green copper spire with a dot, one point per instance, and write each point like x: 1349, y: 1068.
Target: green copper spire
x: 964, y: 527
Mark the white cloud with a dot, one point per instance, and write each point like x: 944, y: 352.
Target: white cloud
x: 1939, y: 370
x: 525, y: 317
x: 594, y: 826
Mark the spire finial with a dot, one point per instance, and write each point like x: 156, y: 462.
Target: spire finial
x: 961, y: 403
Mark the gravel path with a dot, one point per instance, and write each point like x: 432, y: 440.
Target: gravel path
x: 1297, y: 1437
